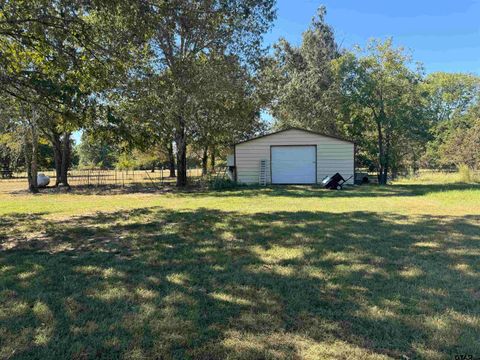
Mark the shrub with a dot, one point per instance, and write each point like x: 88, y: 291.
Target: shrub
x: 466, y: 174
x: 221, y: 183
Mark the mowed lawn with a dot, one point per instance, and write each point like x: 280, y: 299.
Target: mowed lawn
x: 275, y: 273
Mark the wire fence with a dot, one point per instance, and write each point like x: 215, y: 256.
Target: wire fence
x: 161, y: 177
x: 109, y: 177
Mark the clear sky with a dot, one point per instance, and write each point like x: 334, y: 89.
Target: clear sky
x: 444, y: 35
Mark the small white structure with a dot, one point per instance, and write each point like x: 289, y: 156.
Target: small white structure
x: 293, y: 156
x: 42, y: 180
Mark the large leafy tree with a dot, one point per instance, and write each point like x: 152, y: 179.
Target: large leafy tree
x: 181, y: 32
x: 227, y: 106
x: 58, y: 56
x: 11, y: 150
x: 451, y: 94
x: 223, y: 107
x: 144, y: 108
x: 20, y: 123
x: 382, y: 97
x: 300, y: 81
x: 452, y: 99
x: 460, y: 143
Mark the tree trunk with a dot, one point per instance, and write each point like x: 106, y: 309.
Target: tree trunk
x: 394, y: 173
x: 181, y: 142
x: 382, y: 170
x: 383, y: 176
x: 34, y: 163
x: 205, y: 161
x: 65, y: 159
x: 6, y: 167
x: 57, y: 156
x: 415, y: 164
x: 212, y: 159
x: 171, y: 160
x: 27, y: 149
x: 386, y: 157
x: 31, y: 156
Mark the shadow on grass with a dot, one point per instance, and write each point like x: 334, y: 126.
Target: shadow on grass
x: 154, y: 283
x: 297, y: 191
x: 104, y: 189
x: 348, y: 191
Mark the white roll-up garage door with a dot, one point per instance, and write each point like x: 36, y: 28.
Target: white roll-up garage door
x: 293, y: 164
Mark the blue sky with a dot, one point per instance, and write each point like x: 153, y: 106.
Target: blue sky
x: 444, y: 35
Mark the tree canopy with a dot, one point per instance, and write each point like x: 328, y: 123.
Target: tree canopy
x: 301, y: 82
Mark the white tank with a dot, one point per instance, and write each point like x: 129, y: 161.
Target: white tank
x: 42, y: 180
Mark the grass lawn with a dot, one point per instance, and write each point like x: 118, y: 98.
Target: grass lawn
x: 275, y: 273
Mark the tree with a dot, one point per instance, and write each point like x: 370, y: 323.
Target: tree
x: 381, y: 95
x: 11, y: 149
x: 10, y: 154
x: 227, y: 106
x: 182, y: 31
x: 450, y: 97
x: 58, y: 57
x: 300, y: 81
x: 19, y: 121
x: 461, y: 141
x: 451, y: 94
x: 94, y: 152
x: 144, y: 104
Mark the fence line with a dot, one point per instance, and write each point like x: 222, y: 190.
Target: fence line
x: 103, y: 177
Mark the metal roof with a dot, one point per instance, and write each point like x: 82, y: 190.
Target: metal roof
x: 295, y: 128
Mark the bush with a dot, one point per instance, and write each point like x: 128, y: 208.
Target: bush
x: 221, y: 183
x: 466, y: 174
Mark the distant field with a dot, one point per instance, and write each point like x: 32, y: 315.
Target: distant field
x: 251, y: 273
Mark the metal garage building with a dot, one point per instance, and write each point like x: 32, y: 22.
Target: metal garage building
x: 293, y: 156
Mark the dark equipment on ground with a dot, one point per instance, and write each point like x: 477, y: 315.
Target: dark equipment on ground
x: 362, y: 178
x: 334, y: 182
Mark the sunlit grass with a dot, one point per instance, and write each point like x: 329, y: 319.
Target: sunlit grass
x: 250, y: 273
x: 465, y: 175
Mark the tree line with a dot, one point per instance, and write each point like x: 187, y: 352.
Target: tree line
x: 154, y: 81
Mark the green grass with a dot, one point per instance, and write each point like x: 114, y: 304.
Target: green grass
x: 275, y: 273
x: 465, y: 174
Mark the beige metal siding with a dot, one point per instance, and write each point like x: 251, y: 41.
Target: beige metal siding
x: 333, y: 155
